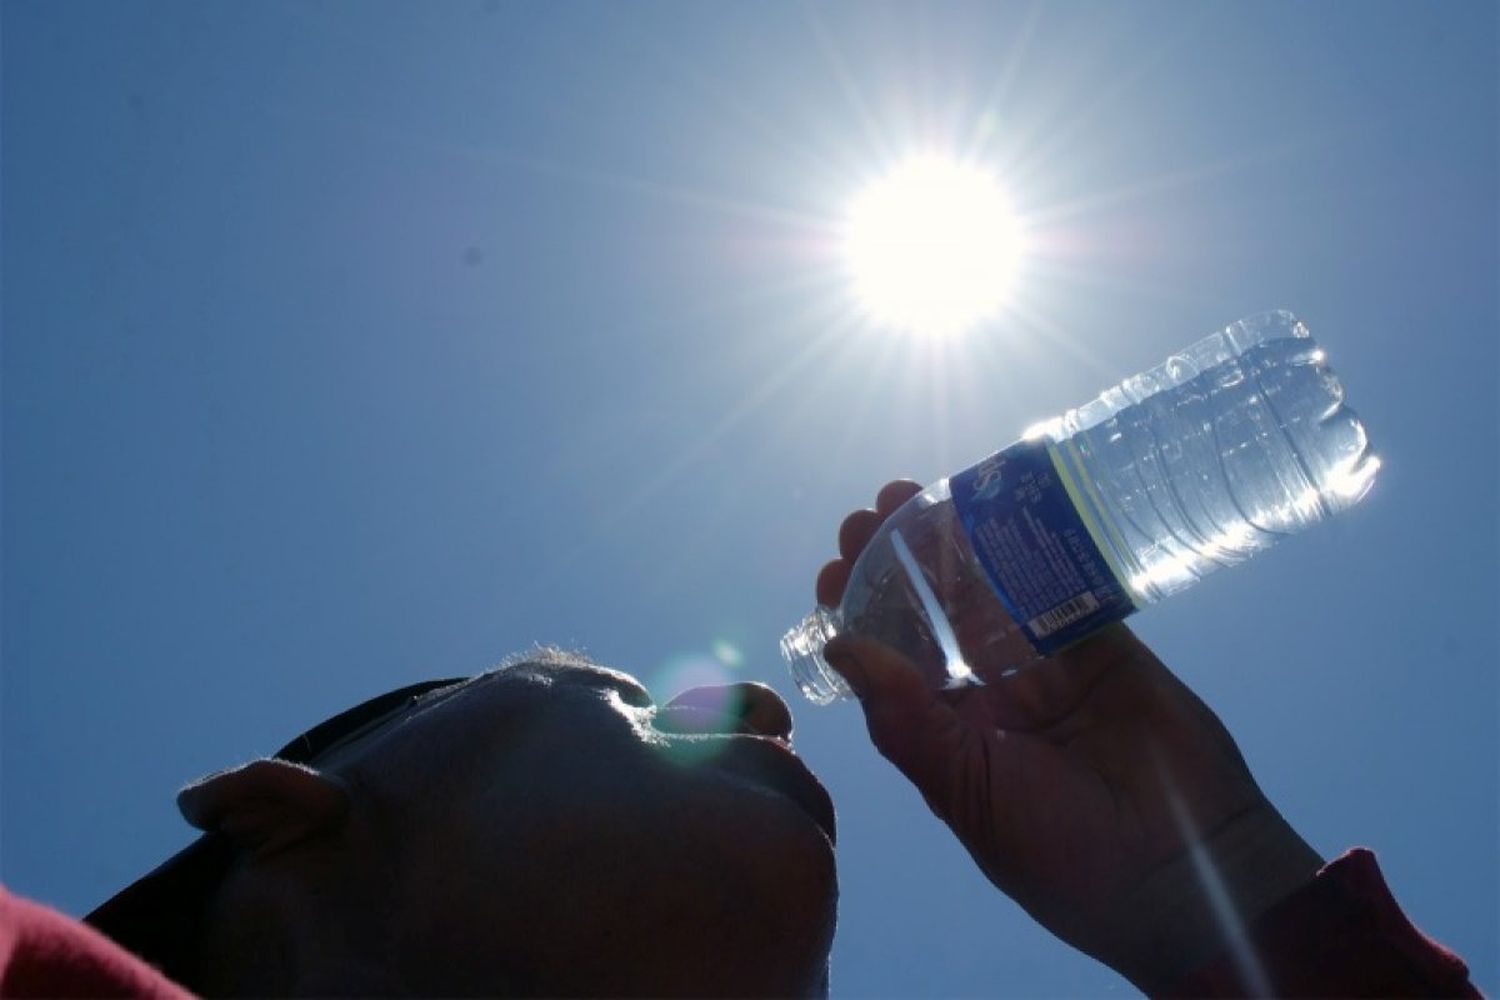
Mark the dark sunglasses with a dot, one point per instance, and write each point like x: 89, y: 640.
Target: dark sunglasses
x: 354, y: 723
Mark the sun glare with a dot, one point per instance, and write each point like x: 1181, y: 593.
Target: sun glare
x: 933, y: 247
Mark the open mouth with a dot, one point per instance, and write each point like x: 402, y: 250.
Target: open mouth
x: 770, y: 762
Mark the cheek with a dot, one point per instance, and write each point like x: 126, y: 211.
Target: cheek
x: 707, y: 878
x: 662, y: 835
x: 642, y: 863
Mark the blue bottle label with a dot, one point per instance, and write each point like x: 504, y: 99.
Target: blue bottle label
x: 1038, y: 550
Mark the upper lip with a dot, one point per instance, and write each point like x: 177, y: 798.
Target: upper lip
x: 769, y: 761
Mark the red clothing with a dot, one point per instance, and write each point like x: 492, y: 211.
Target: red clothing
x: 1341, y: 935
x: 44, y: 953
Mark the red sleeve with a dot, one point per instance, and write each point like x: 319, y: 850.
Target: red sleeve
x: 1341, y: 935
x: 44, y: 953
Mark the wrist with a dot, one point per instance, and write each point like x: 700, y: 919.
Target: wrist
x: 1203, y: 902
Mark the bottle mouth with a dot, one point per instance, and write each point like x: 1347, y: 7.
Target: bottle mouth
x: 803, y: 649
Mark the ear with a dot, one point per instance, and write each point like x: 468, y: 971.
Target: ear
x: 265, y: 805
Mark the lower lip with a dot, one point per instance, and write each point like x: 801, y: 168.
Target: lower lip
x: 771, y: 762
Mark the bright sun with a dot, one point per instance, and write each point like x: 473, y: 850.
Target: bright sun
x: 933, y: 246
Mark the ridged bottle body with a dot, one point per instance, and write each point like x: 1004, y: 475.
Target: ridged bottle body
x: 1230, y: 445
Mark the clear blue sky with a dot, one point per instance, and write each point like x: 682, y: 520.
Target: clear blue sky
x: 347, y: 344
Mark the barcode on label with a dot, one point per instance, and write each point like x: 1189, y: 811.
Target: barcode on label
x: 1063, y: 615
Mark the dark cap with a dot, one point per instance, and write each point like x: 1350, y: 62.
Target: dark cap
x: 158, y: 916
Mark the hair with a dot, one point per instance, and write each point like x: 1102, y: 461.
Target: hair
x: 541, y: 654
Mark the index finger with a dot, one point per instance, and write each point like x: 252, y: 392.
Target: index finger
x: 832, y: 580
x: 893, y: 494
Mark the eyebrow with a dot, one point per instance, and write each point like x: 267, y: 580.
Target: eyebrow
x: 625, y: 683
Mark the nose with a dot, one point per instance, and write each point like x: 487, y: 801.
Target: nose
x: 731, y: 708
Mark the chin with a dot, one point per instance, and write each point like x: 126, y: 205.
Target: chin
x: 797, y: 906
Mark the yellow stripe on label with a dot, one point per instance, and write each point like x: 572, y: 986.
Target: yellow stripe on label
x: 1095, y: 529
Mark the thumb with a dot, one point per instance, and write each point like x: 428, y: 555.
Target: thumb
x: 909, y: 724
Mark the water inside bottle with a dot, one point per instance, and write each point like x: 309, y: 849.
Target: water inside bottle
x: 1199, y: 468
x: 925, y: 594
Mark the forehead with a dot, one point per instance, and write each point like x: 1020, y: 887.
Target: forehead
x: 528, y: 684
x: 555, y: 673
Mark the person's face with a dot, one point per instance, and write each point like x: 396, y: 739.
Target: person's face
x: 549, y: 827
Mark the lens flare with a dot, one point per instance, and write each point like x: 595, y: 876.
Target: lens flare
x: 689, y: 670
x: 727, y: 653
x: 697, y: 670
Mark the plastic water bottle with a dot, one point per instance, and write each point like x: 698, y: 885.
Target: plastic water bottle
x: 1201, y: 462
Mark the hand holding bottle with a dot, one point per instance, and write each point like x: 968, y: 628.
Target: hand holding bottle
x: 1093, y: 788
x: 1226, y: 447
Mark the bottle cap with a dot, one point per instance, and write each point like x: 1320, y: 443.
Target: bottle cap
x: 803, y: 649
